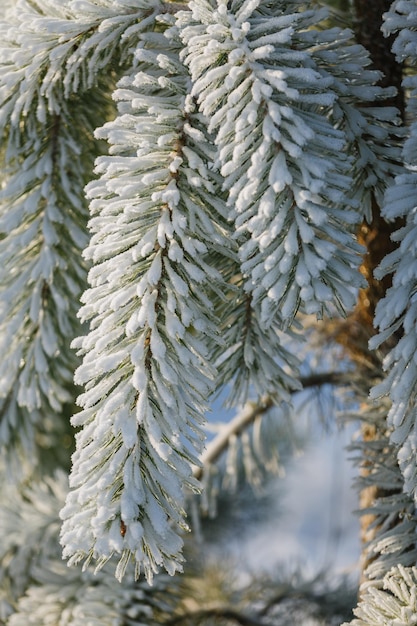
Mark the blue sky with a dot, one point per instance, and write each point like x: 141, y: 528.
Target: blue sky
x: 312, y: 522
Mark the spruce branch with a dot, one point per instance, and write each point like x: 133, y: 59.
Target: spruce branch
x: 43, y: 218
x: 278, y: 153
x: 154, y: 213
x: 390, y: 532
x: 50, y: 53
x: 363, y: 109
x: 37, y: 587
x: 392, y: 601
x: 253, y: 357
x: 242, y: 157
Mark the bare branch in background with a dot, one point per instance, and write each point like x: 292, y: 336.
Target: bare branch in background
x: 253, y: 410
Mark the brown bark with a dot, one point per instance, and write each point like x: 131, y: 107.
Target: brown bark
x: 375, y: 236
x: 367, y: 498
x: 367, y: 26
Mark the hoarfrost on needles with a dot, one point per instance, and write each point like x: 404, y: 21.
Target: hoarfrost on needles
x: 247, y: 80
x: 155, y: 359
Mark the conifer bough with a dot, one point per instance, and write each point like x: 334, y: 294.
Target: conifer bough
x: 242, y: 153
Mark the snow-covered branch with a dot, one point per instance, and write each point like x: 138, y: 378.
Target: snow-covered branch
x: 145, y: 369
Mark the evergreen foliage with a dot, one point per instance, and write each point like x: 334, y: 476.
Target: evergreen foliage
x: 391, y: 535
x: 397, y: 312
x: 194, y: 175
x: 393, y: 602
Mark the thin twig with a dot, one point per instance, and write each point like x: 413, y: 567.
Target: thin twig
x: 251, y: 411
x: 327, y: 603
x: 173, y: 7
x: 224, y: 612
x: 325, y: 378
x: 234, y: 427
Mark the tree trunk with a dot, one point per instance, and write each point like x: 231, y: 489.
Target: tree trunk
x: 375, y: 236
x: 367, y: 26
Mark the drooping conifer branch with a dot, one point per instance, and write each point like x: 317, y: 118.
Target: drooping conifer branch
x: 243, y: 156
x: 47, y: 71
x: 150, y: 322
x: 255, y: 94
x: 43, y: 220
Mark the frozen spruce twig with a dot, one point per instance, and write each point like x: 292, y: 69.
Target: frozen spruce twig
x: 283, y: 163
x: 390, y: 539
x: 42, y: 218
x: 36, y: 586
x: 253, y: 359
x: 372, y: 129
x: 52, y: 56
x: 393, y: 601
x: 145, y: 371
